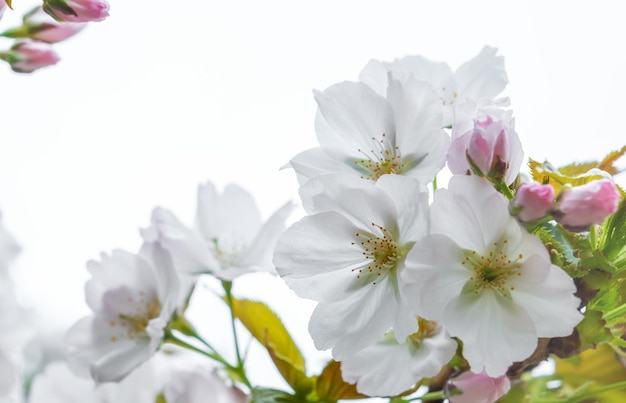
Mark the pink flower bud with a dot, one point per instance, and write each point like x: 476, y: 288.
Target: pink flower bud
x: 479, y: 388
x: 581, y: 206
x: 40, y: 26
x: 77, y: 10
x: 491, y: 148
x: 28, y: 56
x: 533, y: 200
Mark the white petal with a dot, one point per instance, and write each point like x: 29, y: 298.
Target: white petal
x: 356, y: 113
x: 313, y: 162
x: 433, y: 275
x: 495, y: 331
x: 317, y: 263
x: 357, y: 322
x: 190, y: 251
x: 437, y: 74
x: 234, y: 214
x: 546, y: 292
x: 357, y: 199
x: 374, y: 75
x: 259, y: 252
x: 483, y: 76
x: 411, y: 199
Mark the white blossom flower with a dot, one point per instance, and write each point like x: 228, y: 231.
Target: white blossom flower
x: 486, y: 279
x: 389, y: 368
x: 57, y: 384
x: 133, y: 298
x: 200, y: 386
x: 347, y: 255
x: 370, y: 135
x: 229, y: 238
x: 481, y: 78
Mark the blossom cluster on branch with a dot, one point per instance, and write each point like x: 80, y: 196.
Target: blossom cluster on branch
x: 424, y: 292
x: 51, y: 22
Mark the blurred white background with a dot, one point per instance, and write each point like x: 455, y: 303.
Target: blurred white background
x: 165, y: 95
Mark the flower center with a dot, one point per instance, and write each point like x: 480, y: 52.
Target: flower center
x: 382, y: 254
x: 493, y: 269
x: 134, y: 323
x: 226, y: 255
x: 383, y: 159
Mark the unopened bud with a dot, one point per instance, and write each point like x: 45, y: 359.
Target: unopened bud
x: 533, y: 201
x: 581, y: 206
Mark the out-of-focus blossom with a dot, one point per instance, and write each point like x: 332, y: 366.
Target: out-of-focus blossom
x: 77, y: 10
x: 133, y: 298
x: 9, y: 249
x: 229, y: 238
x: 389, y: 368
x: 57, y: 384
x: 478, y: 388
x: 480, y: 79
x: 486, y: 280
x: 532, y: 201
x: 581, y: 206
x: 27, y: 56
x: 491, y: 148
x: 370, y: 135
x: 348, y: 255
x: 40, y: 26
x: 201, y: 386
x: 3, y: 7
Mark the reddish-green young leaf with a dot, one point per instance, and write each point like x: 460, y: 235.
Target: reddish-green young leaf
x: 548, y: 174
x: 267, y: 328
x: 331, y: 387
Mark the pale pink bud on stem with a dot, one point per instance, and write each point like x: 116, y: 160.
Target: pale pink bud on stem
x: 478, y: 388
x: 40, y: 26
x: 28, y: 56
x: 581, y: 206
x: 77, y: 10
x: 533, y: 201
x: 491, y: 149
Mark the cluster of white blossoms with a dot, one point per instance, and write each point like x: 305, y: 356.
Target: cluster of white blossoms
x: 138, y: 300
x: 401, y: 282
x: 462, y: 288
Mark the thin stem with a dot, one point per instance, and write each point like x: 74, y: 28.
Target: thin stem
x: 170, y: 338
x: 504, y: 189
x: 595, y: 392
x: 240, y: 364
x: 435, y: 184
x: 615, y: 313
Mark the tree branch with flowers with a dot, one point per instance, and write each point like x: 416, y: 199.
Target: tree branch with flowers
x: 423, y: 292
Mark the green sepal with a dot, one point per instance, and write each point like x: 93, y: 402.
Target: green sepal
x: 160, y: 398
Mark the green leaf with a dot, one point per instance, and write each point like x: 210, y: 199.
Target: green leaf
x: 331, y: 387
x: 592, y: 330
x: 613, y: 237
x: 546, y: 173
x: 592, y: 370
x: 273, y: 396
x: 267, y: 328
